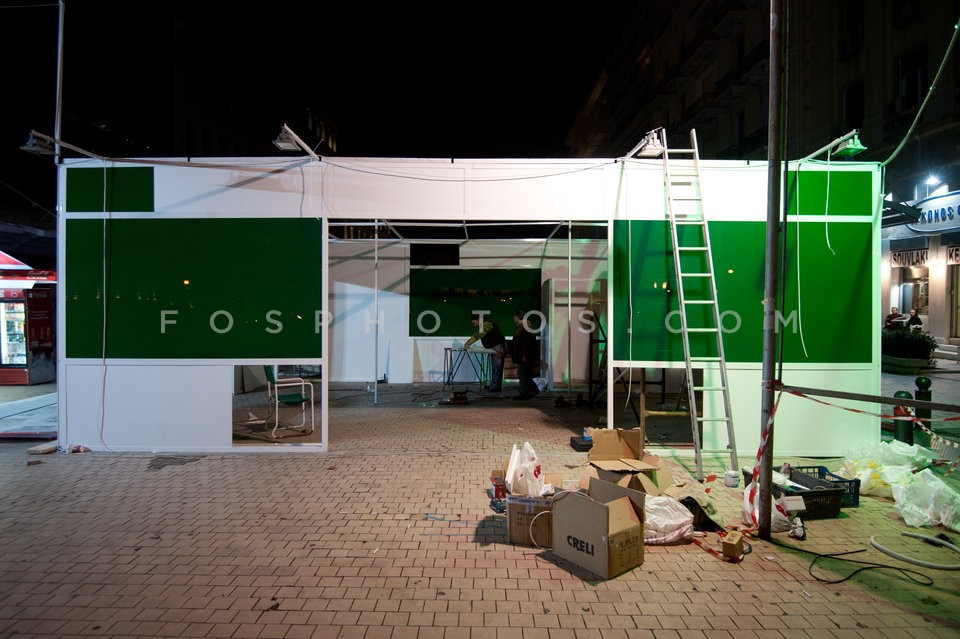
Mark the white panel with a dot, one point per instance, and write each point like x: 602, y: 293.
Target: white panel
x: 149, y: 408
x: 802, y: 426
x: 539, y: 192
x: 392, y: 190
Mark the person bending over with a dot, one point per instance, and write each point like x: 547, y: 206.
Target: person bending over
x: 490, y: 336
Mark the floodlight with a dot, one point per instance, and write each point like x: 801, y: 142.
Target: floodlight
x: 37, y: 146
x: 289, y: 141
x: 849, y: 147
x: 649, y: 147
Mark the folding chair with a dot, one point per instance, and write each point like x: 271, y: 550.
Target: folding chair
x: 302, y: 397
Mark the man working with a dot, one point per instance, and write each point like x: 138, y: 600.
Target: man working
x: 525, y: 352
x: 490, y: 335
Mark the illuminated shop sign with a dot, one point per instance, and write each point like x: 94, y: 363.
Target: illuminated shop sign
x: 903, y: 259
x: 918, y: 257
x: 937, y: 214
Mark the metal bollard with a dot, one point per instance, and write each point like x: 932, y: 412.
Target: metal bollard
x: 923, y: 393
x: 903, y: 428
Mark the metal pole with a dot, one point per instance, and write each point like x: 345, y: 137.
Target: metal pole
x: 376, y: 307
x: 569, y: 306
x: 770, y: 274
x: 56, y: 114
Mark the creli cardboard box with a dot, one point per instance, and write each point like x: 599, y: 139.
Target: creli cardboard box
x: 600, y: 530
x: 619, y: 458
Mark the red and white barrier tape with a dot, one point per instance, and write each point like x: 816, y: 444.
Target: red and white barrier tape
x: 764, y: 437
x: 935, y: 439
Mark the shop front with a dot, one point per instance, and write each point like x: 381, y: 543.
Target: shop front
x: 922, y: 266
x: 27, y: 315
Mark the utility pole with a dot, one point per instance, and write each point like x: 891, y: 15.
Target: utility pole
x: 56, y: 114
x: 770, y: 273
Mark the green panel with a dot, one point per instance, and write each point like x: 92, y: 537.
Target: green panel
x: 202, y: 269
x: 128, y: 189
x: 454, y: 293
x: 834, y: 285
x: 850, y: 192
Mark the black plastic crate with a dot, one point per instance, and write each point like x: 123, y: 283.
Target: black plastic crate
x: 851, y: 487
x: 821, y: 497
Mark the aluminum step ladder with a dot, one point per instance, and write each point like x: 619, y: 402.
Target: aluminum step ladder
x: 700, y: 323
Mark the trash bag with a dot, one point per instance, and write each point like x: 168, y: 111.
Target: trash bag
x: 666, y: 521
x: 779, y: 518
x: 926, y: 500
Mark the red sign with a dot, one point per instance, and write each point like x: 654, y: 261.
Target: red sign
x: 34, y: 275
x: 11, y: 293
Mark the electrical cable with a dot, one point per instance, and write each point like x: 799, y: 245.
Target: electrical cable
x: 105, y: 264
x: 550, y: 512
x: 923, y: 580
x: 923, y: 105
x: 919, y: 562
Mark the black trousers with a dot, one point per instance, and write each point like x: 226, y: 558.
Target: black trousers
x: 525, y: 375
x: 496, y: 368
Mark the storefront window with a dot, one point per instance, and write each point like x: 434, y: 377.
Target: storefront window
x: 954, y: 301
x: 915, y: 290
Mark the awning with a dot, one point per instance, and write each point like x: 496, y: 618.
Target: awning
x: 17, y: 278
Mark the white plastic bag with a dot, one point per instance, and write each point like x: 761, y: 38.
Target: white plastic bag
x: 926, y: 500
x: 666, y: 521
x: 779, y: 518
x: 528, y: 477
x: 512, y: 468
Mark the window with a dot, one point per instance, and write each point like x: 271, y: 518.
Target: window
x: 853, y: 106
x: 851, y: 27
x: 913, y: 78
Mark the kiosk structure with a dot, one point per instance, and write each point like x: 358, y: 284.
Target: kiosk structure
x: 174, y: 272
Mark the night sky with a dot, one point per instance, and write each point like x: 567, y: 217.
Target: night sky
x: 216, y: 79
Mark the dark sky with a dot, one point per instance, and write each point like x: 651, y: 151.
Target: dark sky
x: 199, y: 78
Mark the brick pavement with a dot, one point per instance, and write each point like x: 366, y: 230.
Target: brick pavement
x: 391, y: 535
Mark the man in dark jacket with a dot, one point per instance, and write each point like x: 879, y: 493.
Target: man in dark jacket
x: 525, y: 352
x: 490, y: 336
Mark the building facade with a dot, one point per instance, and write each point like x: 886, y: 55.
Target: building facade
x: 881, y: 67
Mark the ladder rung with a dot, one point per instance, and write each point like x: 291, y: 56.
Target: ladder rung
x: 698, y: 301
x: 694, y: 275
x: 713, y: 419
x: 704, y: 359
x: 709, y: 388
x: 702, y: 330
x: 685, y: 199
x: 688, y: 221
x: 691, y: 248
x: 682, y: 150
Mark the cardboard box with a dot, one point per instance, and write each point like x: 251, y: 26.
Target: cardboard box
x: 732, y: 545
x: 601, y: 530
x: 619, y: 458
x: 521, y: 510
x: 618, y: 450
